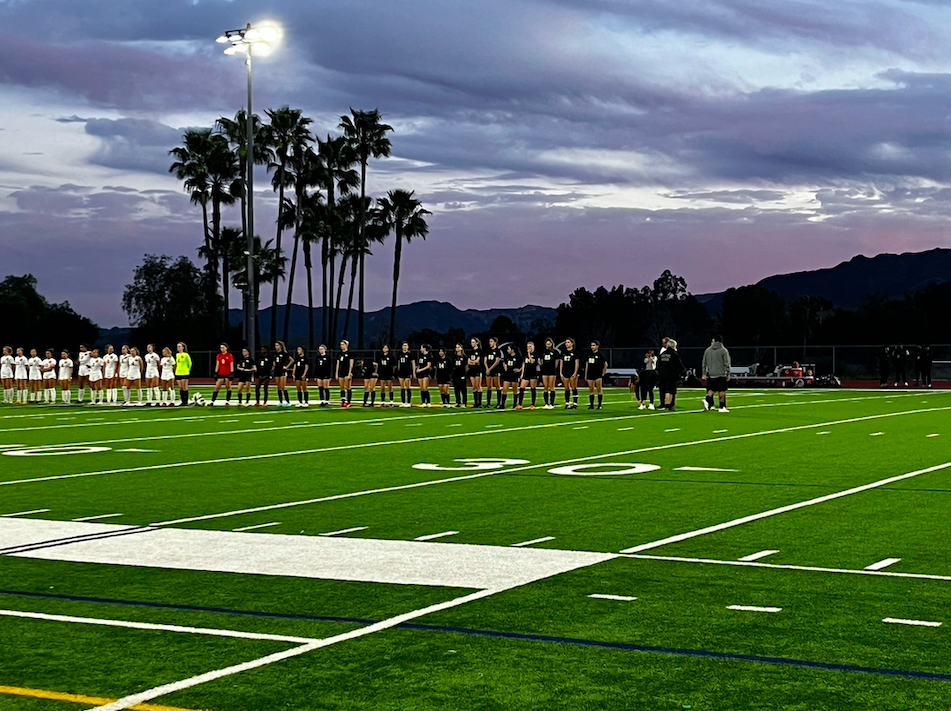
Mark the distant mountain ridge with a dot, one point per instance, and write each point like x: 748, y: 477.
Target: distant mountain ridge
x: 849, y: 283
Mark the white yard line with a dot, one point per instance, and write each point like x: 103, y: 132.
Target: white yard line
x: 753, y: 608
x: 776, y: 566
x: 703, y: 469
x: 756, y: 556
x: 532, y: 542
x: 782, y: 509
x: 25, y: 513
x: 150, y: 626
x: 345, y: 530
x: 880, y: 565
x: 96, y: 518
x: 433, y: 536
x: 256, y: 526
x: 480, y: 475
x: 616, y: 598
x: 913, y: 623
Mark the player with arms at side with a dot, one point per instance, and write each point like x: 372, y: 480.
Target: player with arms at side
x: 279, y: 370
x: 404, y: 373
x: 245, y: 371
x: 443, y: 368
x: 370, y: 372
x: 595, y: 367
x: 323, y: 373
x: 476, y: 369
x: 183, y: 368
x: 459, y: 364
x: 549, y: 372
x: 301, y: 369
x: 35, y: 376
x: 570, y: 368
x: 48, y: 369
x: 530, y: 372
x: 716, y: 373
x: 423, y: 371
x: 110, y: 370
x: 493, y: 368
x: 167, y: 378
x: 6, y: 375
x: 151, y: 377
x: 65, y: 377
x: 512, y: 363
x: 134, y: 376
x: 21, y: 373
x: 386, y: 368
x: 82, y: 372
x: 224, y: 372
x: 345, y: 373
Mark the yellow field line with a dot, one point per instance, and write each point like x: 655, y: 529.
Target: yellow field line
x: 78, y: 699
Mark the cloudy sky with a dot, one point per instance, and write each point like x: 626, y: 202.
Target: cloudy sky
x: 558, y: 143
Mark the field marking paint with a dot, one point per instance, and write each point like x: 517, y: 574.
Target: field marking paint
x: 756, y: 556
x: 262, y: 422
x: 24, y: 513
x: 876, y: 434
x: 616, y: 598
x: 703, y: 469
x: 122, y: 422
x: 259, y: 525
x: 78, y: 698
x: 624, y: 429
x: 581, y: 428
x: 933, y: 435
x: 96, y: 518
x: 156, y: 627
x: 433, y: 536
x: 582, y: 469
x: 673, y: 429
x: 12, y: 446
x: 158, y: 691
x: 532, y: 542
x: 823, y: 433
x: 345, y: 530
x: 719, y: 431
x: 479, y: 475
x: 496, y: 425
x: 782, y: 509
x: 753, y: 608
x: 777, y: 566
x: 458, y: 424
x: 914, y: 623
x: 415, y: 424
x: 137, y: 450
x: 882, y: 564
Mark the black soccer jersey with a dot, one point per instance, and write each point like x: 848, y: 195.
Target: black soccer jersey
x: 569, y: 363
x: 264, y: 365
x: 344, y: 365
x: 244, y: 368
x: 387, y: 366
x: 404, y: 365
x: 459, y: 366
x: 370, y: 370
x: 549, y: 363
x: 492, y: 361
x: 443, y: 367
x: 530, y: 367
x: 323, y: 367
x: 300, y: 367
x: 594, y: 366
x: 280, y: 363
x: 513, y: 364
x: 476, y: 365
x: 424, y: 365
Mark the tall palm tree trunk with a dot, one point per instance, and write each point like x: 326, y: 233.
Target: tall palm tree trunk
x: 309, y: 268
x: 332, y: 326
x: 396, y: 280
x: 363, y: 241
x: 324, y: 248
x: 353, y: 279
x: 290, y: 289
x: 277, y: 248
x: 343, y: 274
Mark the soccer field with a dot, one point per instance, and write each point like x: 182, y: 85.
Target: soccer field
x: 790, y: 554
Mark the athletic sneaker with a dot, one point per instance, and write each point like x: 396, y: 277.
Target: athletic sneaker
x: 642, y: 406
x: 722, y: 409
x: 651, y: 407
x: 707, y: 406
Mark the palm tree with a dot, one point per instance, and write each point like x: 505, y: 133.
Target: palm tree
x: 287, y: 131
x: 269, y: 265
x: 312, y: 227
x: 404, y: 216
x: 366, y: 135
x: 348, y: 240
x: 191, y: 167
x: 373, y: 231
x: 336, y: 177
x: 236, y: 131
x: 303, y: 174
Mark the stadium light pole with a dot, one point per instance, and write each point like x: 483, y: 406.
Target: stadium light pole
x: 250, y: 41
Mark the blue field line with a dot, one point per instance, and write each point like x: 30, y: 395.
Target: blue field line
x: 515, y: 636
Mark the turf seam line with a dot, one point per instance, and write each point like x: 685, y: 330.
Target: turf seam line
x: 55, y: 542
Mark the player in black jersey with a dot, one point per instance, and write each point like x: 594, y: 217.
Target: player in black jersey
x: 387, y: 371
x: 282, y: 361
x: 423, y: 371
x: 530, y: 371
x: 245, y: 370
x: 369, y: 371
x: 404, y: 373
x: 262, y: 375
x: 549, y: 371
x: 570, y: 367
x: 512, y: 363
x: 476, y: 368
x: 344, y: 373
x: 459, y: 362
x: 323, y: 372
x: 443, y: 368
x: 493, y: 367
x: 594, y: 369
x: 300, y: 369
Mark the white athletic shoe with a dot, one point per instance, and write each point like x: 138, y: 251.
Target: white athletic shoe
x: 706, y: 406
x: 642, y: 406
x: 651, y: 407
x: 722, y: 409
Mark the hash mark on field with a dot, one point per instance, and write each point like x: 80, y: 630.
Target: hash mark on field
x: 756, y: 556
x: 823, y: 433
x: 345, y: 530
x: 533, y: 542
x: 753, y: 608
x: 456, y: 425
x: 24, y: 513
x: 497, y: 425
x: 876, y: 434
x: 415, y: 424
x: 703, y: 469
x: 932, y: 435
x: 673, y: 429
x: 376, y: 424
x: 580, y: 428
x: 96, y: 518
x: 617, y: 598
x: 18, y: 446
x: 914, y: 623
x: 624, y: 429
x: 882, y: 564
x: 228, y: 422
x: 260, y: 525
x: 433, y: 536
x: 65, y: 418
x: 261, y: 422
x: 720, y: 431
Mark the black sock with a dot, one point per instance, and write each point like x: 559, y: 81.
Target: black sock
x: 534, y: 396
x: 373, y: 398
x: 574, y: 396
x: 600, y: 399
x: 567, y: 397
x: 521, y: 396
x: 502, y: 398
x: 184, y: 397
x: 307, y: 396
x: 214, y: 396
x: 366, y: 395
x: 591, y: 400
x: 349, y: 395
x: 488, y: 398
x: 228, y: 396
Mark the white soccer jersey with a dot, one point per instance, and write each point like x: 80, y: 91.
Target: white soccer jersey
x: 124, y: 366
x: 6, y: 366
x: 151, y: 365
x: 84, y: 357
x: 110, y: 360
x: 168, y: 368
x: 66, y: 369
x: 20, y: 367
x: 95, y: 369
x: 49, y: 372
x: 34, y: 363
x: 135, y: 368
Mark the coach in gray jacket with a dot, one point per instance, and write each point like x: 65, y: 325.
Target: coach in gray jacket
x: 716, y: 372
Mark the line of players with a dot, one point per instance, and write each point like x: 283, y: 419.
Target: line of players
x: 36, y: 380
x: 500, y: 369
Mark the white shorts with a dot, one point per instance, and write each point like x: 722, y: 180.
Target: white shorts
x: 124, y: 373
x: 168, y: 377
x: 49, y: 375
x: 83, y: 371
x: 36, y: 375
x: 151, y: 373
x: 21, y: 374
x: 6, y: 372
x: 95, y: 377
x: 65, y: 378
x: 109, y: 374
x: 134, y: 377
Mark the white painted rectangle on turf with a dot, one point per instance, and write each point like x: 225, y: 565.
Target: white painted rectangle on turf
x: 913, y: 623
x: 753, y: 608
x: 617, y: 598
x: 345, y: 530
x: 756, y: 556
x: 882, y: 564
x: 319, y: 557
x: 532, y: 542
x: 433, y: 536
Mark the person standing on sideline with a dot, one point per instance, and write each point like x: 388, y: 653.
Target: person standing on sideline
x: 570, y: 369
x: 670, y: 369
x: 884, y: 362
x: 459, y: 364
x: 646, y: 382
x: 183, y: 368
x: 224, y: 372
x: 386, y: 371
x: 594, y: 370
x: 475, y: 368
x: 6, y: 375
x: 716, y: 373
x: 925, y: 363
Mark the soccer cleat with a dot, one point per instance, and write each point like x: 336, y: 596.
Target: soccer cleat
x: 723, y: 409
x: 642, y: 406
x: 518, y: 407
x: 531, y: 407
x: 707, y: 406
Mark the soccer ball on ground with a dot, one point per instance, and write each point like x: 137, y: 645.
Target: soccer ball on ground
x: 198, y: 400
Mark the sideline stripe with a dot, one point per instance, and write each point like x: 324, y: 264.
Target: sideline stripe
x: 753, y: 608
x: 617, y: 598
x: 433, y: 536
x: 96, y: 518
x: 259, y: 525
x: 78, y: 698
x: 533, y: 541
x: 756, y: 556
x: 24, y: 513
x: 344, y: 530
x: 157, y: 627
x: 782, y: 509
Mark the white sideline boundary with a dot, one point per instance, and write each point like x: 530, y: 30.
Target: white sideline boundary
x: 782, y: 509
x: 527, y: 467
x: 779, y: 566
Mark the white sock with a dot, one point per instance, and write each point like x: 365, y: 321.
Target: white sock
x: 126, y: 394
x: 140, y: 394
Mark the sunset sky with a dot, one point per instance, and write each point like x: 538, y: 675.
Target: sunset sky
x: 558, y: 143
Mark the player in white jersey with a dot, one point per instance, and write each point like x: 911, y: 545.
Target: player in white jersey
x: 65, y: 377
x: 83, y: 373
x: 167, y: 378
x: 124, y: 374
x: 110, y: 370
x: 95, y: 378
x: 35, y: 375
x: 134, y: 377
x: 22, y: 376
x: 6, y: 375
x: 151, y: 359
x: 48, y: 368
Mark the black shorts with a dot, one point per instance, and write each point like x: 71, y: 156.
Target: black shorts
x: 218, y: 376
x: 443, y: 378
x: 244, y: 377
x: 717, y: 385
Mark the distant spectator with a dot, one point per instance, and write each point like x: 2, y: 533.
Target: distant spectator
x: 670, y: 369
x: 884, y: 363
x: 715, y: 373
x: 925, y: 363
x: 900, y: 364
